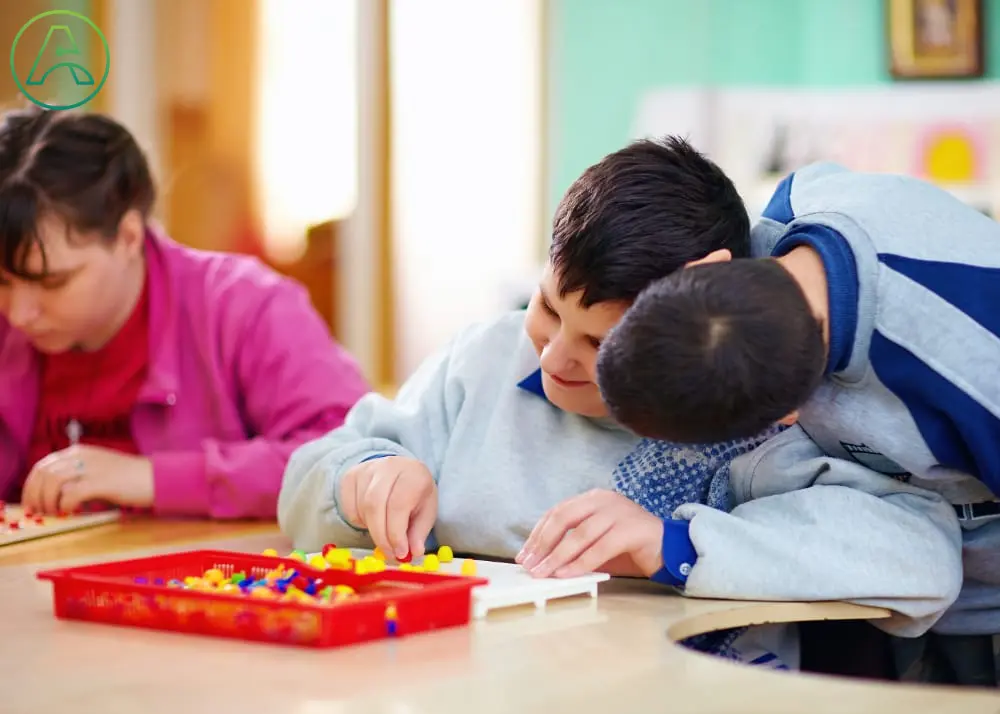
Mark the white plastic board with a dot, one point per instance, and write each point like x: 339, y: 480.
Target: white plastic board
x: 510, y: 585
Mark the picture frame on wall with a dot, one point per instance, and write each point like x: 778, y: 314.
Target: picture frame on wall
x: 935, y: 39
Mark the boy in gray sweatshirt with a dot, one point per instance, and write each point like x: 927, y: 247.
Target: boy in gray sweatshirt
x: 506, y: 420
x: 874, y: 327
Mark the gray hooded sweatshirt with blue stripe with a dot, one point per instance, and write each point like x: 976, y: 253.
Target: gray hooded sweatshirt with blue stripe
x: 868, y: 498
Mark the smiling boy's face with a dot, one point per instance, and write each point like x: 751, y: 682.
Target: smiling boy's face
x: 566, y: 337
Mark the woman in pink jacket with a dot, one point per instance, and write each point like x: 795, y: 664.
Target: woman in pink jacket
x: 135, y: 371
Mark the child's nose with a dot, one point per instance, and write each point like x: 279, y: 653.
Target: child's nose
x: 556, y: 356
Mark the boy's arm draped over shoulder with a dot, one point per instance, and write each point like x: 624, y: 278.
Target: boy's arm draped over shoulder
x: 294, y: 384
x: 810, y: 527
x: 417, y: 424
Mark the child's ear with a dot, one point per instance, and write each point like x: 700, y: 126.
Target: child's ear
x: 790, y: 419
x: 716, y: 256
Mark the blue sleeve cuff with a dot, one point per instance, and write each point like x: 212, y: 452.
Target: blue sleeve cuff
x: 679, y: 555
x: 375, y: 456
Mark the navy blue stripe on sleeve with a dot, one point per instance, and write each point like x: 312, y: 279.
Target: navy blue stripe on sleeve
x: 779, y: 208
x: 973, y: 289
x: 958, y: 430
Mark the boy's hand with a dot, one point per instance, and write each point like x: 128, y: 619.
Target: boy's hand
x: 64, y: 480
x: 583, y: 533
x: 395, y: 500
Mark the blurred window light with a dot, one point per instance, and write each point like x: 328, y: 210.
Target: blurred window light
x: 467, y: 163
x: 306, y: 123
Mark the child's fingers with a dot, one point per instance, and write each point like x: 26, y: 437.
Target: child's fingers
x: 421, y: 523
x: 375, y: 506
x: 403, y: 503
x: 553, y: 529
x: 583, y: 536
x: 603, y: 550
x: 531, y: 543
x: 352, y: 486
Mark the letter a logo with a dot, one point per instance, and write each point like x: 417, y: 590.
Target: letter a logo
x: 80, y: 74
x: 69, y: 55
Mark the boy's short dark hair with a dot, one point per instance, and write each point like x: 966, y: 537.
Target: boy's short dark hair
x: 642, y: 213
x: 712, y: 353
x: 84, y: 168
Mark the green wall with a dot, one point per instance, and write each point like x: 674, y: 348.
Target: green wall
x: 604, y: 54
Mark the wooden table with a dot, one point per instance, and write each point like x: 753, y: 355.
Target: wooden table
x: 614, y: 655
x: 125, y: 535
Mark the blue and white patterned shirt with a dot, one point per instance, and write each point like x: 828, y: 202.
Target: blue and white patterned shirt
x: 662, y: 476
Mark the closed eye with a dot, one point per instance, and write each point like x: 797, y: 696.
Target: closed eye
x: 54, y: 283
x: 548, y: 308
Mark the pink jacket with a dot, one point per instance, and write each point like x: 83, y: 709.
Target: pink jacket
x: 242, y: 371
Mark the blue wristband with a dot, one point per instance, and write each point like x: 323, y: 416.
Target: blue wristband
x: 679, y: 555
x: 374, y: 456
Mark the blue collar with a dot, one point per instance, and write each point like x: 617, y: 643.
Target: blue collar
x: 842, y: 285
x: 533, y: 384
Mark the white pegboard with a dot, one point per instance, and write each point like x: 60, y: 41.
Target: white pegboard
x: 511, y: 586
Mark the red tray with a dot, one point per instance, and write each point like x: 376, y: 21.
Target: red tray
x: 108, y: 593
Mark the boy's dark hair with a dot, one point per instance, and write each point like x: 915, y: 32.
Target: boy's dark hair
x: 712, y: 353
x: 84, y: 168
x: 642, y: 213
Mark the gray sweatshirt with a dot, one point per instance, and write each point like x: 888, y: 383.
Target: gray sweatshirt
x: 475, y: 415
x: 866, y: 500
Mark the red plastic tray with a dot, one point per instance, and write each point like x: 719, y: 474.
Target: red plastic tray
x: 108, y: 593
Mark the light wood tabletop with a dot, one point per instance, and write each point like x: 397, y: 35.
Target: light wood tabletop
x: 613, y: 655
x: 126, y: 534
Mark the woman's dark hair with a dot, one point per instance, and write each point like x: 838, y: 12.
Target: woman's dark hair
x: 85, y: 168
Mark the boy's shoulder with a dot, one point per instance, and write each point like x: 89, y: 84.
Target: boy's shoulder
x: 478, y: 370
x: 495, y: 346
x: 505, y: 329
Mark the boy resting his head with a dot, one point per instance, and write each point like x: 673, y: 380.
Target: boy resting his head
x: 506, y: 424
x: 507, y: 421
x: 874, y: 326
